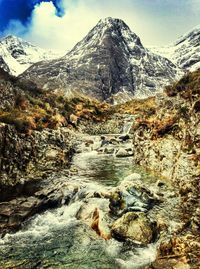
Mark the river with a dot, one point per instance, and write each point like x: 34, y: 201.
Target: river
x: 60, y: 238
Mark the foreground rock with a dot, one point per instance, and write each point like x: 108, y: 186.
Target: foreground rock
x: 45, y: 195
x: 133, y: 226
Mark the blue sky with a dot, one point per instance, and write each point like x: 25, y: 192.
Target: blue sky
x: 59, y: 24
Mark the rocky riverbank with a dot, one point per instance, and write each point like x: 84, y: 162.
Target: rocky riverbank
x: 27, y: 161
x: 167, y: 142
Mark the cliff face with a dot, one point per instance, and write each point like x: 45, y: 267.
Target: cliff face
x: 24, y: 157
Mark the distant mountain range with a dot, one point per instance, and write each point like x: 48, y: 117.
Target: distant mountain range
x: 185, y: 52
x: 110, y: 63
x: 16, y: 55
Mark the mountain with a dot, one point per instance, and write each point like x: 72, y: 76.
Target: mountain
x: 109, y: 61
x: 185, y: 52
x: 16, y: 55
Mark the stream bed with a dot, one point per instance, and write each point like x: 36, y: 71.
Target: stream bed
x: 63, y: 237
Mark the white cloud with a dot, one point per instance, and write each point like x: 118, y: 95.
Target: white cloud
x: 48, y: 30
x: 63, y: 33
x: 60, y: 32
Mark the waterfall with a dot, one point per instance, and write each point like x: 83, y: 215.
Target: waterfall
x: 127, y: 125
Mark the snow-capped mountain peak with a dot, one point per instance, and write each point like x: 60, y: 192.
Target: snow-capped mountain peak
x: 192, y: 35
x: 109, y: 60
x: 185, y: 52
x: 17, y: 55
x: 105, y: 30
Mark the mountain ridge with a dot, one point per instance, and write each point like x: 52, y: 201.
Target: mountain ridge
x: 109, y: 60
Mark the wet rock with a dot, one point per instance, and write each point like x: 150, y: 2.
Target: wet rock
x: 104, y: 141
x: 133, y: 226
x: 117, y: 203
x: 94, y: 212
x: 123, y: 153
x: 99, y: 225
x: 14, y: 212
x: 132, y: 196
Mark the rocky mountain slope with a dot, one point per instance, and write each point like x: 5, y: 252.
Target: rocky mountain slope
x: 185, y: 52
x: 109, y: 61
x: 16, y: 55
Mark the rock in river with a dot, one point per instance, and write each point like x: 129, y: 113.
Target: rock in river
x: 123, y: 153
x: 133, y: 226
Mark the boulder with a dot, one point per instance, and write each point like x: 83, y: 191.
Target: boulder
x: 123, y: 153
x: 94, y: 214
x: 133, y: 226
x: 132, y: 196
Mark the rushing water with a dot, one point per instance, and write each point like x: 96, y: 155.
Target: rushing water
x: 57, y: 239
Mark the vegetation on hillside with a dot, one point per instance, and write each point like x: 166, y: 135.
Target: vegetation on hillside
x: 51, y: 111
x: 173, y: 113
x: 35, y: 109
x: 29, y: 108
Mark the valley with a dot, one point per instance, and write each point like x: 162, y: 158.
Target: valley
x: 100, y: 154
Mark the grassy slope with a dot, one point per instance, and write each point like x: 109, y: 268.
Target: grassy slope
x: 29, y: 108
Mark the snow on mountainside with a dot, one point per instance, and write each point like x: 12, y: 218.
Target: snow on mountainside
x: 185, y: 52
x: 16, y: 55
x: 109, y: 60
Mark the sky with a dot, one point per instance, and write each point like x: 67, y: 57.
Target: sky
x: 60, y: 24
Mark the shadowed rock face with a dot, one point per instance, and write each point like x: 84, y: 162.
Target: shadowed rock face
x: 3, y: 65
x: 109, y: 60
